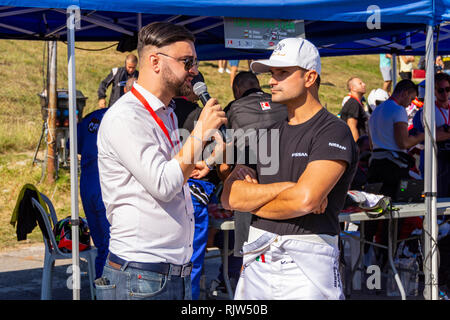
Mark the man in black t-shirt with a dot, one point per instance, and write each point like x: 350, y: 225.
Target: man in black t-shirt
x: 353, y: 112
x: 304, y: 169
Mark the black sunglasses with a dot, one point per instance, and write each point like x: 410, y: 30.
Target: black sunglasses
x: 189, y: 62
x: 441, y: 90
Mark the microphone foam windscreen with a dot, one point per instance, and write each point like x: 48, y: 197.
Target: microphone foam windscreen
x: 199, y: 88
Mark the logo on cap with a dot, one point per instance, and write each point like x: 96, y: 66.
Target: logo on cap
x: 280, y: 46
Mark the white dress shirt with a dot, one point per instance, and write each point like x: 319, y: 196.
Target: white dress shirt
x: 148, y: 206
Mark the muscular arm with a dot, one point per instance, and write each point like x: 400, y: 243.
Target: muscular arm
x: 308, y: 194
x: 402, y: 139
x: 441, y: 135
x: 246, y: 196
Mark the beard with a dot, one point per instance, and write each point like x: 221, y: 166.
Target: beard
x: 180, y: 87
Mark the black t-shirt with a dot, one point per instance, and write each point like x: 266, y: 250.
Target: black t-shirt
x: 323, y: 137
x: 353, y: 109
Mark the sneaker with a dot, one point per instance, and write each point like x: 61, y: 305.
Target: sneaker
x: 221, y: 70
x: 228, y: 70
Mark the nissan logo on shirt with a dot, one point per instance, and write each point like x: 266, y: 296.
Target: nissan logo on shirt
x: 299, y: 154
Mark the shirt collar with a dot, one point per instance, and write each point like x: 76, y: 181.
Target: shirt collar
x: 152, y: 100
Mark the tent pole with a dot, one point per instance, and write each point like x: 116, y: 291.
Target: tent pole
x: 76, y: 283
x: 139, y: 21
x: 430, y: 175
x: 52, y: 108
x: 394, y: 70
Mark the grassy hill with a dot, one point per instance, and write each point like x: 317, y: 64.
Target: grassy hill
x: 22, y: 72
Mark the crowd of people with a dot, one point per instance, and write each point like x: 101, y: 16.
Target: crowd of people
x: 148, y: 186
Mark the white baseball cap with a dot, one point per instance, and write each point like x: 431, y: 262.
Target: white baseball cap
x: 290, y: 52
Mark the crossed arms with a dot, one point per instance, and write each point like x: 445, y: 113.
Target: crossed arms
x: 283, y: 200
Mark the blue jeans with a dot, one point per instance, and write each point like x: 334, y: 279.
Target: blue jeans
x: 135, y: 284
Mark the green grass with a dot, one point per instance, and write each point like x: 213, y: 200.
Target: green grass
x: 21, y: 71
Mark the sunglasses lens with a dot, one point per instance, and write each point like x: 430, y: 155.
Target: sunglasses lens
x: 189, y: 63
x: 441, y: 90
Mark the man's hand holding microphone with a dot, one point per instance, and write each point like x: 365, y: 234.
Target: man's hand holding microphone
x: 210, y: 120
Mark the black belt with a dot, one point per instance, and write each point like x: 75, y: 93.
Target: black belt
x: 160, y: 267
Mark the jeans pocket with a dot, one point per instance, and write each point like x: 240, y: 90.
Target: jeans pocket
x: 146, y: 284
x: 104, y: 290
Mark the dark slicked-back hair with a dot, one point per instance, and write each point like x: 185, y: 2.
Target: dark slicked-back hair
x: 403, y: 85
x: 161, y: 34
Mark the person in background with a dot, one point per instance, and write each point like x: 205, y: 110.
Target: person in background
x: 90, y: 190
x: 202, y: 184
x: 442, y: 120
x: 223, y: 66
x: 446, y: 61
x: 234, y: 64
x: 362, y: 172
x: 388, y: 128
x: 251, y: 110
x: 386, y: 71
x: 390, y: 162
x: 406, y: 66
x: 353, y: 112
x: 117, y: 78
x: 129, y: 84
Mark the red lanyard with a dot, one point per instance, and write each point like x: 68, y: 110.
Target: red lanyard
x: 154, y: 115
x: 352, y: 96
x: 446, y: 121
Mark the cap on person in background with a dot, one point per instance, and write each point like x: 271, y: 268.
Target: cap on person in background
x: 290, y: 52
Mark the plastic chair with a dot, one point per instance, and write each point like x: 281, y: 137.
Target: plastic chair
x: 52, y: 252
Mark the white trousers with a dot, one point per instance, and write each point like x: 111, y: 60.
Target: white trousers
x: 294, y: 267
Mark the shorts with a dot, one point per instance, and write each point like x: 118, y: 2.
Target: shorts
x: 386, y: 72
x: 233, y: 63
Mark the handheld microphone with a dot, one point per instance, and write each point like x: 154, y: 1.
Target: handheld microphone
x: 201, y: 91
